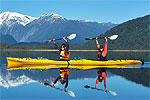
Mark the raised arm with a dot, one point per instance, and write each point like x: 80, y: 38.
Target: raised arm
x: 97, y: 80
x: 56, y: 45
x: 59, y: 77
x: 67, y: 45
x: 66, y: 77
x: 104, y: 75
x: 105, y: 48
x: 98, y: 46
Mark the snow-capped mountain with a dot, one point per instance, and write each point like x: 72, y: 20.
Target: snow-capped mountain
x: 52, y: 17
x: 10, y: 18
x: 8, y: 81
x: 30, y: 29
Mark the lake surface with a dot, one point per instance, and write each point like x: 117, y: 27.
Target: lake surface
x: 29, y: 84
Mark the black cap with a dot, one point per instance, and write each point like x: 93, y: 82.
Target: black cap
x: 63, y: 44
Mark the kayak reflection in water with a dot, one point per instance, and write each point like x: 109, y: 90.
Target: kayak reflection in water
x: 101, y: 76
x: 64, y: 55
x: 64, y: 74
x: 102, y: 52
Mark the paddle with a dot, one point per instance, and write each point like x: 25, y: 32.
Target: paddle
x: 109, y: 91
x: 72, y: 36
x: 113, y: 37
x: 71, y: 93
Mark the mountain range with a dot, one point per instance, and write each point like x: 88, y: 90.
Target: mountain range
x: 25, y: 28
x: 7, y: 39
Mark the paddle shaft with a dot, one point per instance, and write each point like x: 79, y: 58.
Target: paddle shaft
x: 87, y: 86
x: 69, y: 92
x: 58, y: 39
x: 113, y: 37
x: 52, y: 40
x: 72, y: 36
x: 93, y: 38
x: 109, y: 91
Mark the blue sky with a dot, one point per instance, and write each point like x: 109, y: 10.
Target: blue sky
x: 116, y: 11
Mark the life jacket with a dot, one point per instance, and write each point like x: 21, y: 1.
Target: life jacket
x: 63, y: 72
x: 100, y: 56
x: 63, y: 56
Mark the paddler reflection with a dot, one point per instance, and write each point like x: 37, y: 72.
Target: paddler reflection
x: 102, y: 52
x: 63, y: 77
x: 101, y: 76
x: 64, y: 55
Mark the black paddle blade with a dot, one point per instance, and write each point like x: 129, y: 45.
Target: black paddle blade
x: 88, y: 38
x: 46, y: 84
x: 86, y: 86
x: 48, y: 41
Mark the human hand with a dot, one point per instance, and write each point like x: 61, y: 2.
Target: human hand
x: 54, y: 41
x: 96, y: 38
x: 95, y: 86
x: 65, y: 38
x: 64, y: 90
x: 106, y: 38
x: 53, y: 86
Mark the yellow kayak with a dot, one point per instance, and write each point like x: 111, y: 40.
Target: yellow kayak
x: 29, y: 61
x: 27, y: 67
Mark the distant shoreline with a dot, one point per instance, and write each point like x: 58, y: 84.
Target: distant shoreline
x: 46, y: 50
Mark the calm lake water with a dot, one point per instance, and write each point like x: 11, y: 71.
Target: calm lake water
x: 29, y: 84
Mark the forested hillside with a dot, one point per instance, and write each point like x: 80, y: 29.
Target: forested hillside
x: 133, y: 34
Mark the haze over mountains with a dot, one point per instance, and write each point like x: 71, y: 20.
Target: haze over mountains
x: 25, y: 28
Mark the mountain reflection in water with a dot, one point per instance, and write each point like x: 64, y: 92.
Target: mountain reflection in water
x: 139, y: 76
x: 136, y: 79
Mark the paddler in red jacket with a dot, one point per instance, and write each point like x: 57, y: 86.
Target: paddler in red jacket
x: 64, y: 55
x: 102, y: 52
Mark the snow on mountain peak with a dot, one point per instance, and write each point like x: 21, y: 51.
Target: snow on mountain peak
x: 84, y: 20
x: 55, y: 15
x: 52, y: 17
x: 7, y: 81
x: 11, y: 18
